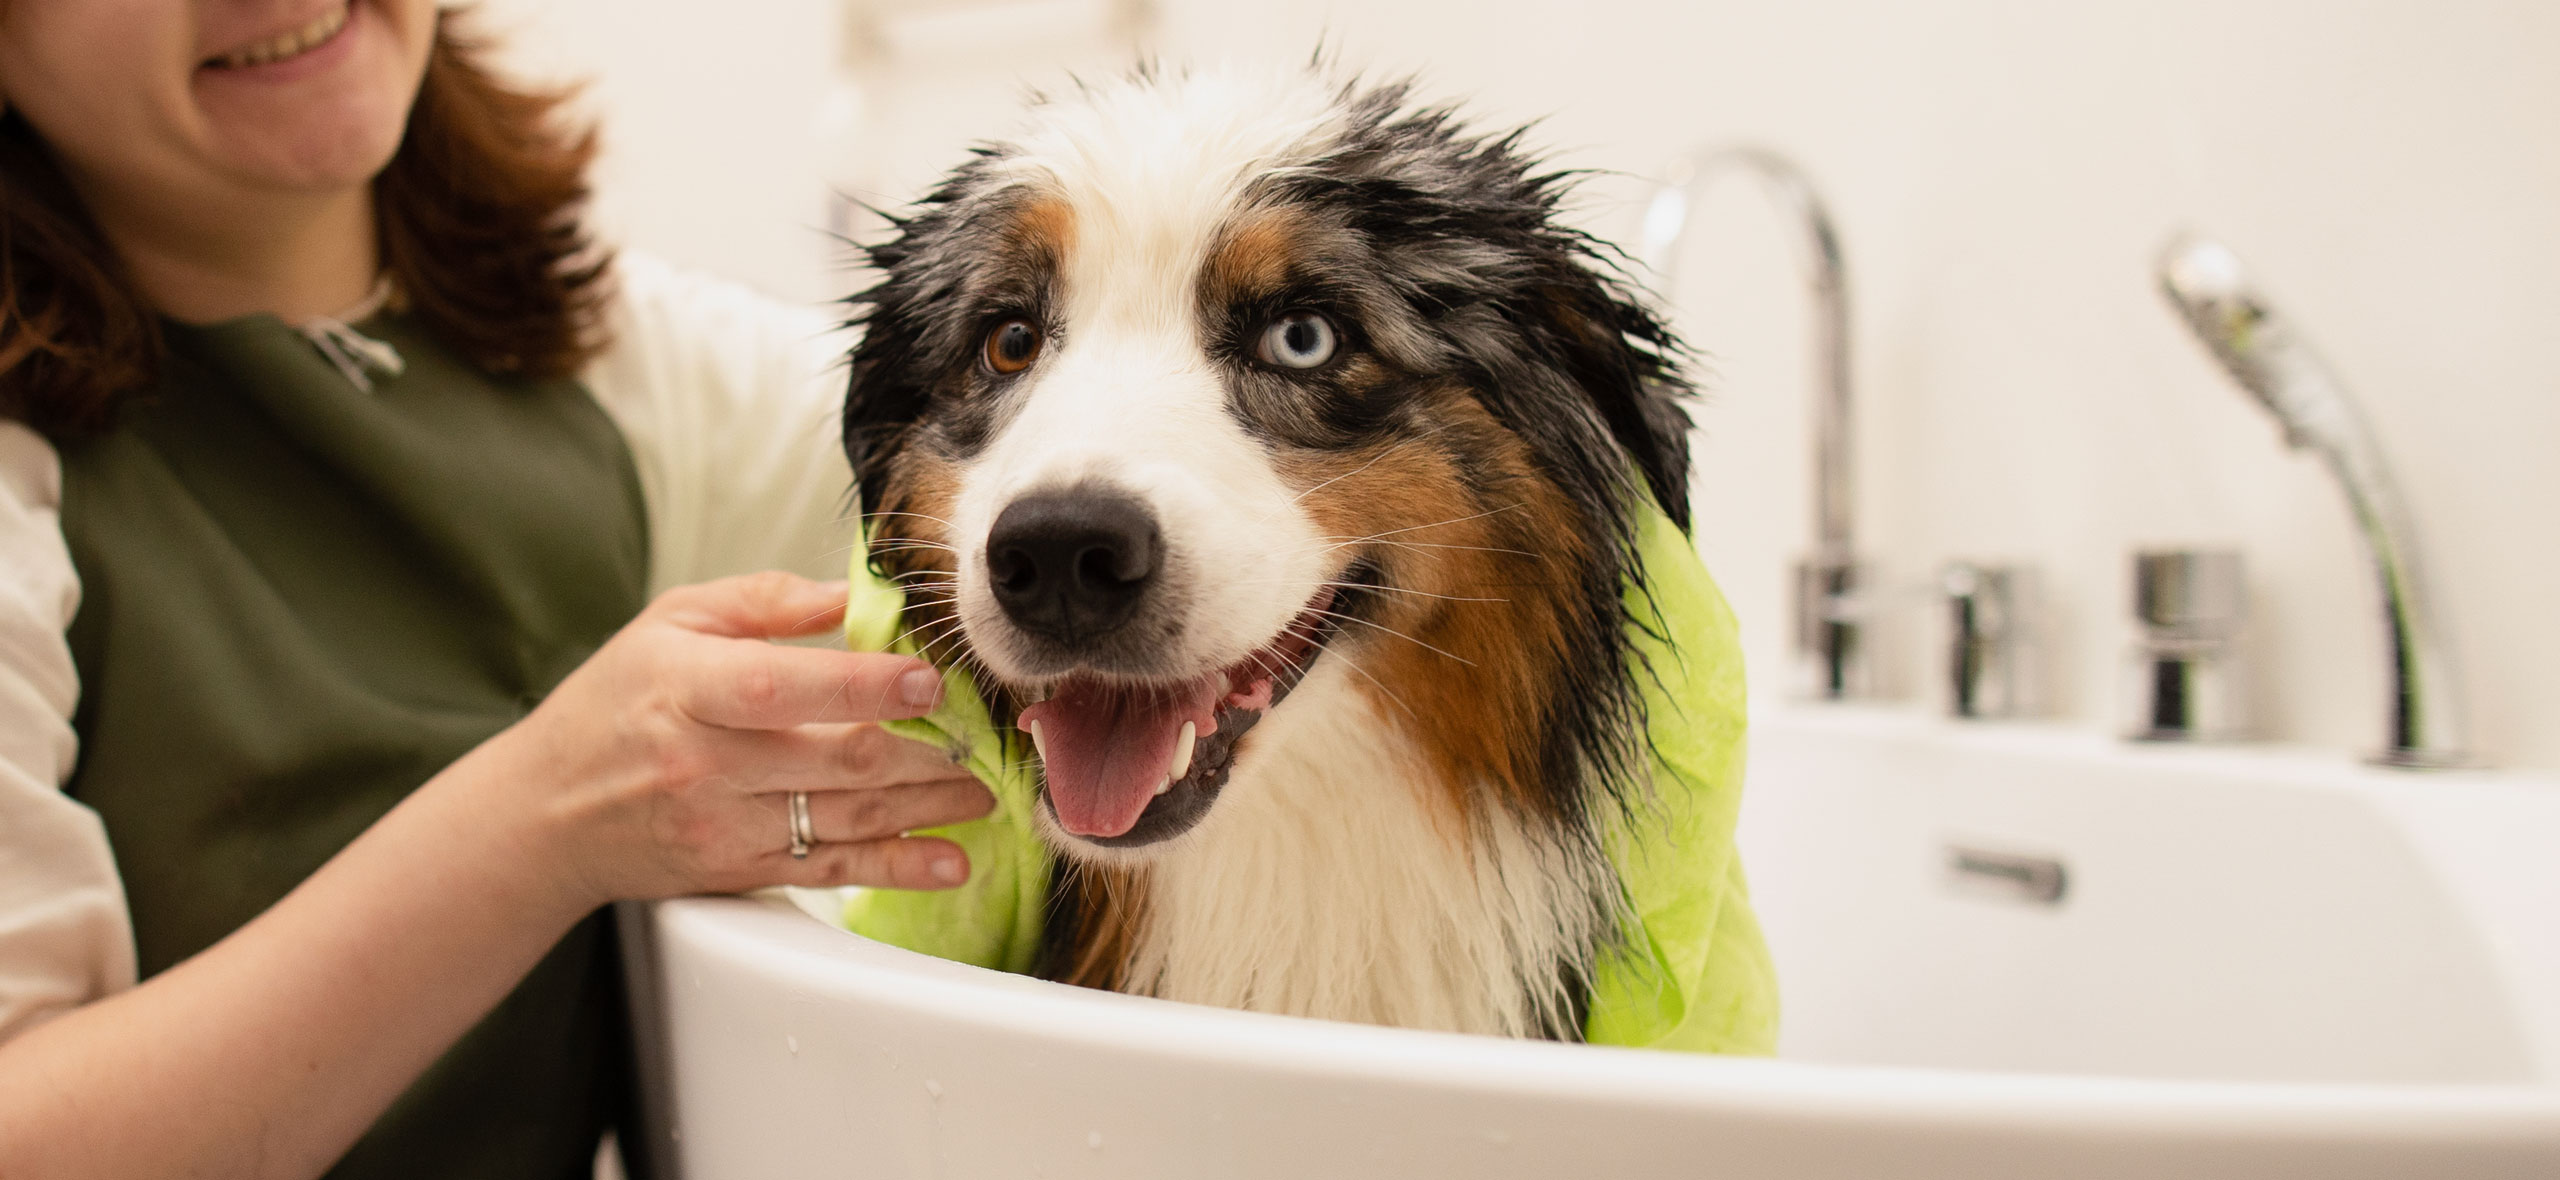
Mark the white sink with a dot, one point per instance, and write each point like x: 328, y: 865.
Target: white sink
x: 2225, y: 913
x: 2257, y: 965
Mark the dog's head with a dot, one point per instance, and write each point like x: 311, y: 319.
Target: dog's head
x: 1207, y: 382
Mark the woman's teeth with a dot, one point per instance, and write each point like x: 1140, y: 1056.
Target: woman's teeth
x: 293, y: 44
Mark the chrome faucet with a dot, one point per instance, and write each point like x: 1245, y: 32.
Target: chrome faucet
x: 1992, y: 642
x: 2261, y: 350
x: 1829, y: 632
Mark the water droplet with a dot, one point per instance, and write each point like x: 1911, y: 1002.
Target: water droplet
x: 792, y: 1043
x: 933, y: 1088
x: 1093, y: 1139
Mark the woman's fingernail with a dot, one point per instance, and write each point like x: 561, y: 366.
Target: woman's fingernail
x: 950, y: 870
x: 835, y: 589
x: 921, y: 688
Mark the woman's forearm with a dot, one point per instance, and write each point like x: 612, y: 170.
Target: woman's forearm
x: 659, y: 767
x: 268, y: 1054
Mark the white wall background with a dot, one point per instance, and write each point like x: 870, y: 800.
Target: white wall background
x: 2003, y: 173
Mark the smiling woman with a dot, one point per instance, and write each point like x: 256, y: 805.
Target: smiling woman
x: 338, y: 469
x: 475, y: 222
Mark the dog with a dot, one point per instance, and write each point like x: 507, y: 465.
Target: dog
x: 1271, y: 453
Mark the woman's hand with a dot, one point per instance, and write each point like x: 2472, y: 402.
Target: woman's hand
x: 663, y: 765
x: 659, y: 767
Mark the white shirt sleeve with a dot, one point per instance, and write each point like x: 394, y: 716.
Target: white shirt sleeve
x: 730, y: 402
x: 65, y: 935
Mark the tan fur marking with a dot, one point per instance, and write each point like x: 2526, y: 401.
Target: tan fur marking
x: 911, y: 543
x: 1252, y: 257
x: 1477, y: 588
x: 1045, y: 224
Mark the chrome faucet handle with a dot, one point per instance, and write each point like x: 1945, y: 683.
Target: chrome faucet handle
x: 2196, y: 593
x: 1833, y: 603
x: 2186, y: 680
x: 1992, y: 640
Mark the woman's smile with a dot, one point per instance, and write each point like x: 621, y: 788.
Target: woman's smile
x: 286, y: 46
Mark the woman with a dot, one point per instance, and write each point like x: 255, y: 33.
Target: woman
x: 336, y: 470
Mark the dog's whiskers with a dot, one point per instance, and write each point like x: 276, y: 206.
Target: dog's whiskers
x: 920, y: 628
x: 1436, y: 524
x: 889, y: 512
x: 1365, y: 674
x: 1398, y: 634
x: 1349, y: 543
x: 1409, y: 590
x: 1381, y: 457
x: 1380, y: 586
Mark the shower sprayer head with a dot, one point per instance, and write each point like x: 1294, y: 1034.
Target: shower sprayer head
x: 2211, y: 291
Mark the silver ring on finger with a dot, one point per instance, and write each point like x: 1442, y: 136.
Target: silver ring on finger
x: 804, y: 833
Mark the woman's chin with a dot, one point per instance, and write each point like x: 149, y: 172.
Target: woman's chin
x: 315, y: 155
x: 328, y: 118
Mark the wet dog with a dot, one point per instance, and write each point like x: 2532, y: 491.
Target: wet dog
x: 1270, y: 452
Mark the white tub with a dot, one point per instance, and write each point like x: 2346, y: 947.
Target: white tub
x: 2258, y: 965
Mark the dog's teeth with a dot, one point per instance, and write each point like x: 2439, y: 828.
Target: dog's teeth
x: 1181, y: 755
x: 1038, y: 746
x: 1164, y: 786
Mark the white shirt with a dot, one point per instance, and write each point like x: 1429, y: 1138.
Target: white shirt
x: 729, y: 403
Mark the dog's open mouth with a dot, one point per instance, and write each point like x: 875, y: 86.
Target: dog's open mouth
x: 1131, y: 764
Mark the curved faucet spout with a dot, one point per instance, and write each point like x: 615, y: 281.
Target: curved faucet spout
x: 2262, y: 351
x: 1666, y: 222
x: 1827, y: 628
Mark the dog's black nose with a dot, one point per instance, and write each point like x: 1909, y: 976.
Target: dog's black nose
x: 1072, y: 565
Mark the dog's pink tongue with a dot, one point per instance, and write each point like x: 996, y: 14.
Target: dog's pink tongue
x: 1106, y: 749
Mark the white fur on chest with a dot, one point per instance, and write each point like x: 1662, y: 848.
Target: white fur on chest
x: 1334, y: 880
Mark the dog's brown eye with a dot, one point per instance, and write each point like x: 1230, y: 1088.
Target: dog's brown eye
x: 1298, y: 340
x: 1011, y: 345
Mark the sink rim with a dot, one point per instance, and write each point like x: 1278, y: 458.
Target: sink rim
x: 806, y: 956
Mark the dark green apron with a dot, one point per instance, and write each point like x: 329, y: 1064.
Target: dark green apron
x: 299, y: 602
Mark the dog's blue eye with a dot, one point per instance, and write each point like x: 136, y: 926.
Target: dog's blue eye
x: 1298, y: 340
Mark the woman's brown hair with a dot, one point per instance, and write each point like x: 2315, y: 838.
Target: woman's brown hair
x: 479, y: 217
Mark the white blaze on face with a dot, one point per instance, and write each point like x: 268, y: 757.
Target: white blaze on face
x: 1125, y: 395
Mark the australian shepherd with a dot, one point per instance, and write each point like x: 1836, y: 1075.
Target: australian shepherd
x: 1270, y: 453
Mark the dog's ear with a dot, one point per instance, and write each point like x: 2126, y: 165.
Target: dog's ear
x: 880, y: 403
x: 891, y: 374
x: 1620, y: 356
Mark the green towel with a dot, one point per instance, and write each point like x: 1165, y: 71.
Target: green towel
x: 1693, y: 974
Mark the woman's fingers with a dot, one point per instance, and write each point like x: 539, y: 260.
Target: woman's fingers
x: 767, y: 605
x: 826, y: 758
x: 851, y: 817
x: 909, y: 862
x: 818, y: 759
x: 751, y: 684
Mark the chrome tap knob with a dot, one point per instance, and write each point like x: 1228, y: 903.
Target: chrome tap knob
x: 1832, y: 661
x: 1992, y: 647
x: 2187, y: 681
